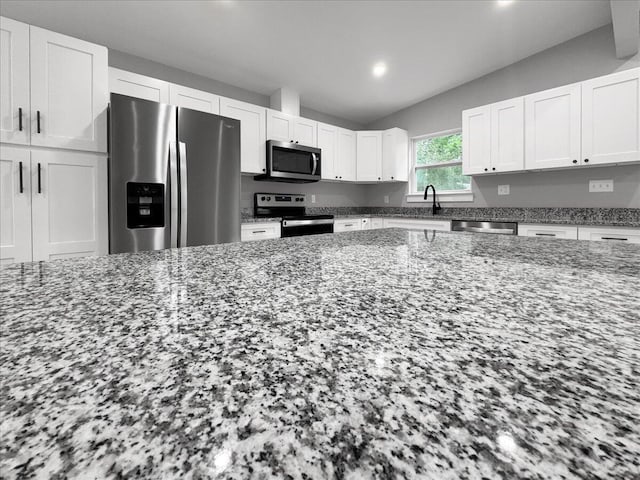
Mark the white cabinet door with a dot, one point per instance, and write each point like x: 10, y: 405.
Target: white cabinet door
x: 14, y: 81
x: 476, y: 140
x: 69, y: 92
x: 69, y: 202
x: 347, y: 225
x: 609, y: 234
x: 369, y: 156
x: 548, y: 231
x: 250, y: 232
x: 15, y: 205
x: 507, y: 135
x: 552, y: 128
x: 611, y: 118
x: 395, y: 155
x: 346, y: 155
x: 304, y: 132
x: 280, y: 126
x: 252, y: 133
x: 328, y: 144
x: 139, y: 86
x: 441, y: 225
x: 194, y: 99
x: 376, y: 223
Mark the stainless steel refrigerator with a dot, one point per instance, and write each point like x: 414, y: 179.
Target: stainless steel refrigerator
x: 174, y: 176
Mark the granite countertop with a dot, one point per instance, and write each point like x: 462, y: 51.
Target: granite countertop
x: 613, y: 217
x: 373, y: 354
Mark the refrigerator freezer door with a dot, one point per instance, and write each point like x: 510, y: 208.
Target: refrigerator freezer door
x: 212, y: 146
x: 141, y: 133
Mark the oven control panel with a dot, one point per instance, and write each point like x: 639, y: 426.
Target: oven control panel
x: 280, y: 200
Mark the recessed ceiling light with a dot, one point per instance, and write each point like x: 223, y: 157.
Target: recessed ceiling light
x: 379, y: 69
x: 504, y: 3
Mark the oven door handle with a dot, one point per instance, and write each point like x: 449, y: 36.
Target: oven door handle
x: 302, y: 223
x: 314, y: 157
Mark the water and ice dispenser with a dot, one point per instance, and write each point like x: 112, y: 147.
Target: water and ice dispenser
x: 145, y: 205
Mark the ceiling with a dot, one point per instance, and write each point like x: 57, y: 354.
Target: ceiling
x: 325, y: 50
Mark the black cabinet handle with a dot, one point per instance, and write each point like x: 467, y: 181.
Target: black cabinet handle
x: 586, y: 160
x: 493, y: 168
x: 38, y: 122
x: 615, y: 238
x: 575, y: 161
x: 264, y: 169
x: 486, y: 169
x: 21, y: 184
x: 20, y: 120
x: 378, y: 178
x: 340, y: 177
x: 296, y: 141
x: 39, y: 179
x: 391, y: 178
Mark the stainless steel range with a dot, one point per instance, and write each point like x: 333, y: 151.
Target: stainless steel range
x: 292, y: 209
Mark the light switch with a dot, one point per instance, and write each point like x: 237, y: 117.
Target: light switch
x: 503, y: 189
x: 386, y: 199
x: 600, y: 185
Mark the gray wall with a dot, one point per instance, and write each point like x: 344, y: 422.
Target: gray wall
x: 587, y: 56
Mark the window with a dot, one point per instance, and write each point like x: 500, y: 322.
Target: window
x: 437, y: 161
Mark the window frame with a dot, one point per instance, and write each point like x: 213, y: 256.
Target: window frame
x: 415, y: 196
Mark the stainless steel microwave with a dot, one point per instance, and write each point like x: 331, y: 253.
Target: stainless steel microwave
x: 291, y: 162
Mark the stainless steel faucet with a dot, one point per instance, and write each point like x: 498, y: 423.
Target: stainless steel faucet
x: 426, y: 192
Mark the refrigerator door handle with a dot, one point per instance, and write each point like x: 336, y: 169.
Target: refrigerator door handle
x: 173, y: 182
x: 182, y: 155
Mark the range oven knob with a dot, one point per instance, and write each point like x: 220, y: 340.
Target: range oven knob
x: 268, y: 199
x: 262, y: 198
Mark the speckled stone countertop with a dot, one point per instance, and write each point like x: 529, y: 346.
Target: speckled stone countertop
x: 375, y: 354
x: 619, y: 217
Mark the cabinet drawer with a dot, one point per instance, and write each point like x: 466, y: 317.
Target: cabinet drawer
x: 347, y: 225
x: 548, y: 231
x: 442, y: 225
x: 376, y: 223
x: 609, y: 234
x: 259, y: 231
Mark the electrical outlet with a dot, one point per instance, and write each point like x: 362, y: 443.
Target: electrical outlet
x: 313, y: 199
x: 600, y: 185
x: 386, y: 199
x: 503, y: 189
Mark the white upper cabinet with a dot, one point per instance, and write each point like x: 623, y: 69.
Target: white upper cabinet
x: 14, y: 81
x: 194, y: 99
x: 139, y: 86
x: 305, y: 132
x: 345, y: 164
x: 369, y: 156
x: 252, y: 133
x: 611, y: 118
x: 395, y: 155
x: 476, y: 140
x: 328, y: 144
x: 507, y: 135
x: 69, y: 202
x: 552, y: 128
x: 15, y: 203
x: 280, y: 126
x: 288, y: 128
x: 69, y: 92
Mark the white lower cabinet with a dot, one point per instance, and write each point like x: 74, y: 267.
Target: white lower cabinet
x: 548, y: 231
x: 259, y: 231
x: 441, y: 225
x: 15, y: 205
x: 58, y: 210
x: 610, y: 234
x: 376, y: 223
x: 347, y: 225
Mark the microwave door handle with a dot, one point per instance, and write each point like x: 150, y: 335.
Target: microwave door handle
x: 314, y: 157
x: 173, y: 182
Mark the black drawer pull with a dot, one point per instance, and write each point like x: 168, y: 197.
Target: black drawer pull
x: 20, y: 118
x: 21, y: 185
x: 259, y: 231
x: 38, y: 121
x: 546, y: 234
x: 615, y: 238
x: 39, y: 179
